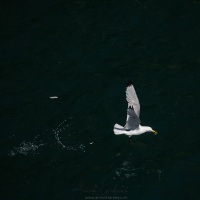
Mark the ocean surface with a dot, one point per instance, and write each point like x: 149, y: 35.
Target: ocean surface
x: 83, y: 52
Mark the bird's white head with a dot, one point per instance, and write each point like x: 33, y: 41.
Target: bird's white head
x: 149, y: 129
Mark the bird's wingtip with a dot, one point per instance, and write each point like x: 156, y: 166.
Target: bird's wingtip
x: 129, y: 83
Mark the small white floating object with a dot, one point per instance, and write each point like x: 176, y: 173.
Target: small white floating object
x: 91, y: 142
x: 54, y: 97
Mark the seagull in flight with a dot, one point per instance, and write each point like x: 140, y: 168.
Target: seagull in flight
x: 132, y: 126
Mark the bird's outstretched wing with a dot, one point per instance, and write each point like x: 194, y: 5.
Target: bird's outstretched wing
x: 132, y: 120
x: 132, y: 98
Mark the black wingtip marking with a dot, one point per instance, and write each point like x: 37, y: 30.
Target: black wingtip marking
x: 129, y: 83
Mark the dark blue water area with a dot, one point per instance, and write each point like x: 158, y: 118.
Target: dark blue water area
x: 83, y: 52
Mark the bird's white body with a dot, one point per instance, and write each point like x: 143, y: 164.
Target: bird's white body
x: 118, y: 130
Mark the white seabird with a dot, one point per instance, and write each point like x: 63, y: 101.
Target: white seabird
x: 132, y: 126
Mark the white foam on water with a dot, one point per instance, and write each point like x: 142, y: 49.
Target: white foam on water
x: 126, y: 170
x: 26, y: 148
x: 65, y: 135
x: 69, y: 136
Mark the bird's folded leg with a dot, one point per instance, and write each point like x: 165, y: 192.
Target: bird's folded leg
x: 129, y: 139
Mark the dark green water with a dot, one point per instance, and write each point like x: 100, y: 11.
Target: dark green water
x: 84, y: 52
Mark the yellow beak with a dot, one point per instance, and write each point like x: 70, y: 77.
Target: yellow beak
x: 154, y: 132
